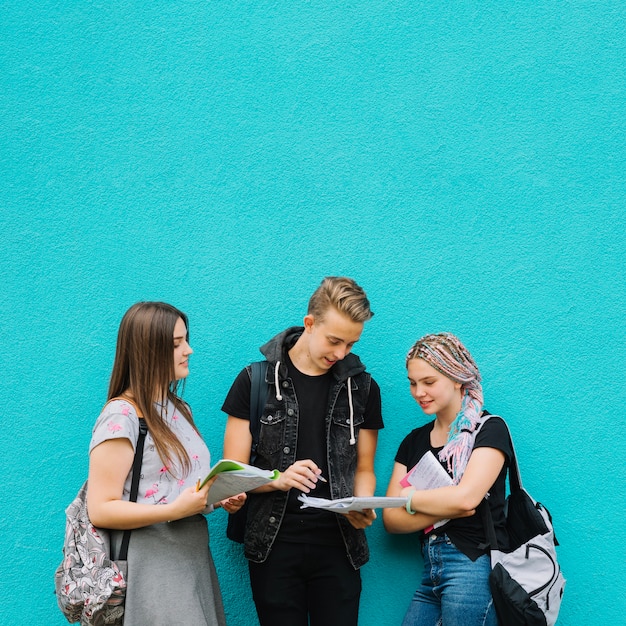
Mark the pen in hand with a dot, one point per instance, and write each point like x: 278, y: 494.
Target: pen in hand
x: 198, y: 484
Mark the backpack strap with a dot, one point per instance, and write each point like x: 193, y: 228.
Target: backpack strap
x: 490, y: 531
x: 258, y: 396
x: 515, y: 484
x: 515, y: 480
x: 127, y: 399
x: 136, y: 469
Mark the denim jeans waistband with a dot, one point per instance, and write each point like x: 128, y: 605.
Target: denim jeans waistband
x: 435, y: 536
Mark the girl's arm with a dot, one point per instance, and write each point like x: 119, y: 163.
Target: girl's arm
x: 109, y: 465
x: 398, y: 520
x: 460, y: 500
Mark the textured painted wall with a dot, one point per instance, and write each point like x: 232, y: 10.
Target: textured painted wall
x: 463, y: 161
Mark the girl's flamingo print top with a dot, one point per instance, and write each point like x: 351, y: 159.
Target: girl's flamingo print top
x: 159, y: 483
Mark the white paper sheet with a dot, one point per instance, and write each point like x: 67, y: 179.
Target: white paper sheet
x: 351, y: 504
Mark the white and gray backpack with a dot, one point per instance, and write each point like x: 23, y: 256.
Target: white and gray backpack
x: 526, y: 581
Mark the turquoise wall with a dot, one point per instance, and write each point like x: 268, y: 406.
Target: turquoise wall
x: 463, y: 161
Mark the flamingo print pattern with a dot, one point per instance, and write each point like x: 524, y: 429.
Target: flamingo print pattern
x: 160, y: 482
x: 151, y: 493
x: 164, y: 473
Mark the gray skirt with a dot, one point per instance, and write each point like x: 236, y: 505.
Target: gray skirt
x: 171, y: 576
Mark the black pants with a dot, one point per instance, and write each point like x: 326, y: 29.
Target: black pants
x: 301, y: 580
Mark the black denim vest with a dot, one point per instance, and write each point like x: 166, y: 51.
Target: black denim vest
x: 278, y: 440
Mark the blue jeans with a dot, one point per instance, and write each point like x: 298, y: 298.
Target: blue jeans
x: 454, y: 589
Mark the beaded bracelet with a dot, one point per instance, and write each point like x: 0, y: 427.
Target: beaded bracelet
x: 409, y: 510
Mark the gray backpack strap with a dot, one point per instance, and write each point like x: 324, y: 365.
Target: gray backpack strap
x: 482, y: 421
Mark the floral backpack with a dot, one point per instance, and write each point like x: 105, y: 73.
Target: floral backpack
x: 90, y: 585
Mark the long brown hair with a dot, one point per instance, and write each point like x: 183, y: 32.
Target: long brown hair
x: 144, y: 369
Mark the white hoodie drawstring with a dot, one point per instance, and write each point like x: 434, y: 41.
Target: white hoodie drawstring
x: 278, y: 396
x: 348, y: 382
x: 352, y: 438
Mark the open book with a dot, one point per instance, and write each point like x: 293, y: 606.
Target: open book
x: 353, y: 503
x: 428, y: 473
x: 234, y: 477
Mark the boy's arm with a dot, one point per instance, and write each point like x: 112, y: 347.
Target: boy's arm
x: 237, y: 445
x: 364, y: 477
x: 237, y: 439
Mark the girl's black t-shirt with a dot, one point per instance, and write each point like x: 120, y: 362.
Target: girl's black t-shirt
x: 467, y: 533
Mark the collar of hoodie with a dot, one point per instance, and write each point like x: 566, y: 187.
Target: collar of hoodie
x: 342, y: 370
x: 279, y: 397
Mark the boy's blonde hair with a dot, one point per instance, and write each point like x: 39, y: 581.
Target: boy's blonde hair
x: 344, y: 295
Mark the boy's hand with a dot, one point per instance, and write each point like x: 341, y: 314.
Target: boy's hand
x: 234, y: 503
x: 361, y: 519
x: 302, y: 475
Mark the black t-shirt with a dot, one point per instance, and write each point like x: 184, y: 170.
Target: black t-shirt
x: 312, y: 393
x: 467, y: 533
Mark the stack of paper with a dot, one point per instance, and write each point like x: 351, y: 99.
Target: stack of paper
x: 428, y: 473
x: 353, y: 503
x: 234, y: 477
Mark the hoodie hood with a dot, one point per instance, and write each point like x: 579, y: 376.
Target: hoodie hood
x: 275, y: 351
x: 277, y: 347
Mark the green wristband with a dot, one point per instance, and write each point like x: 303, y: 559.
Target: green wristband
x: 409, y: 510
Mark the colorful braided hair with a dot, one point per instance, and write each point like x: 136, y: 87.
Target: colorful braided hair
x: 445, y: 353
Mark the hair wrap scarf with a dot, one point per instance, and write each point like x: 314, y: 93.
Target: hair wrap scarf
x: 445, y: 353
